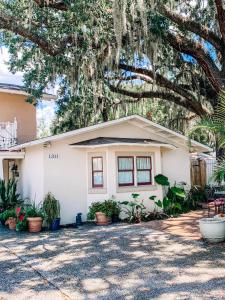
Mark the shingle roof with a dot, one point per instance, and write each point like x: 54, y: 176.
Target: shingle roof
x: 8, y: 86
x: 113, y: 140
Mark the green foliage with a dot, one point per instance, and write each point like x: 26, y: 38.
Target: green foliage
x: 133, y: 209
x: 51, y: 208
x: 219, y: 171
x: 8, y: 194
x: 83, y: 44
x: 22, y: 225
x: 7, y: 214
x: 177, y: 200
x: 33, y: 211
x: 108, y: 207
x: 162, y: 180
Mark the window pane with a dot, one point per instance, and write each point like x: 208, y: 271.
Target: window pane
x: 125, y: 177
x: 143, y: 177
x: 125, y: 163
x: 97, y: 163
x: 143, y: 163
x: 97, y: 178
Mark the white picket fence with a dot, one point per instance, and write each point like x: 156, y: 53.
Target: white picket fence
x: 8, y: 134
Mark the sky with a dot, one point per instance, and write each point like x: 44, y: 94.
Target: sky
x: 45, y: 109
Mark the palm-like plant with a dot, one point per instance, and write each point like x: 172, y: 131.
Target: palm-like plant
x: 8, y: 194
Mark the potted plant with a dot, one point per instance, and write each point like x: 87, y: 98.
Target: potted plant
x: 34, y: 216
x: 9, y: 217
x: 51, y: 208
x: 213, y: 229
x: 102, y: 211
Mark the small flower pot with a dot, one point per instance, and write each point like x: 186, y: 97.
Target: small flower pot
x: 212, y: 229
x: 12, y: 223
x: 102, y: 219
x: 55, y: 224
x: 34, y: 224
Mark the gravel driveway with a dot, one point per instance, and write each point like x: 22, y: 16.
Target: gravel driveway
x: 114, y: 262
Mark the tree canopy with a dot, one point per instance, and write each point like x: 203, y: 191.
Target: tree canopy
x: 140, y: 49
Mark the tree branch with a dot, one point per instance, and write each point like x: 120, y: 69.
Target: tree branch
x: 194, y: 107
x: 160, y: 80
x: 13, y: 25
x: 197, y: 51
x: 59, y: 5
x: 221, y: 17
x: 193, y: 26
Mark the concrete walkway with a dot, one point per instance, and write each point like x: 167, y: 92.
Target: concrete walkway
x: 185, y: 226
x: 115, y: 262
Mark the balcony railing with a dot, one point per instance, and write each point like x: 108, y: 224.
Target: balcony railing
x: 8, y: 134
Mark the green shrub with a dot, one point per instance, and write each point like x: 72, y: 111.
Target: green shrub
x: 7, y: 214
x: 51, y: 208
x: 33, y: 211
x: 108, y: 207
x: 134, y: 209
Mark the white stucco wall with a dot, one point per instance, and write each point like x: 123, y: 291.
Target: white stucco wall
x: 32, y: 174
x: 176, y: 165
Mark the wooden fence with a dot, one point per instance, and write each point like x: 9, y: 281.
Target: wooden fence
x: 198, y: 172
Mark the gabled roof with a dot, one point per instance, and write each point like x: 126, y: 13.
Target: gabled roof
x: 168, y: 135
x: 19, y: 90
x: 106, y: 141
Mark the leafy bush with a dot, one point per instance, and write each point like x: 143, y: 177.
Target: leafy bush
x: 133, y: 209
x: 176, y: 200
x: 51, y: 208
x: 108, y: 207
x: 9, y: 197
x: 34, y: 211
x: 7, y: 214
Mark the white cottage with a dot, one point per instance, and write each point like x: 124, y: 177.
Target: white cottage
x: 111, y: 159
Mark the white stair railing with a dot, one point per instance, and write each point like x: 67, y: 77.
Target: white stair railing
x: 8, y: 134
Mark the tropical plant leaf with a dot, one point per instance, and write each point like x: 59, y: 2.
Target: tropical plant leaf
x: 162, y: 180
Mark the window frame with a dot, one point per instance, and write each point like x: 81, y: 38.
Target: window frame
x: 98, y: 171
x: 149, y: 170
x: 130, y: 170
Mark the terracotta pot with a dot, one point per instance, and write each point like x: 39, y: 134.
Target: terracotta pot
x: 34, y: 224
x: 12, y: 223
x: 102, y: 219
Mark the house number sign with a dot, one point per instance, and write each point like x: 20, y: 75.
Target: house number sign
x: 53, y: 156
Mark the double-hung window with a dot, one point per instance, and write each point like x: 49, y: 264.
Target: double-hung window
x: 144, y: 170
x: 126, y: 171
x: 97, y: 172
x: 134, y: 170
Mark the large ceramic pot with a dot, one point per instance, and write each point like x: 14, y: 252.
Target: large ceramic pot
x: 212, y: 229
x: 102, y: 219
x: 12, y: 223
x: 34, y: 224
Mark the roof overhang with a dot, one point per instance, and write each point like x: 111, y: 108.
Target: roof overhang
x: 12, y: 155
x: 167, y: 146
x: 45, y: 96
x: 170, y: 136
